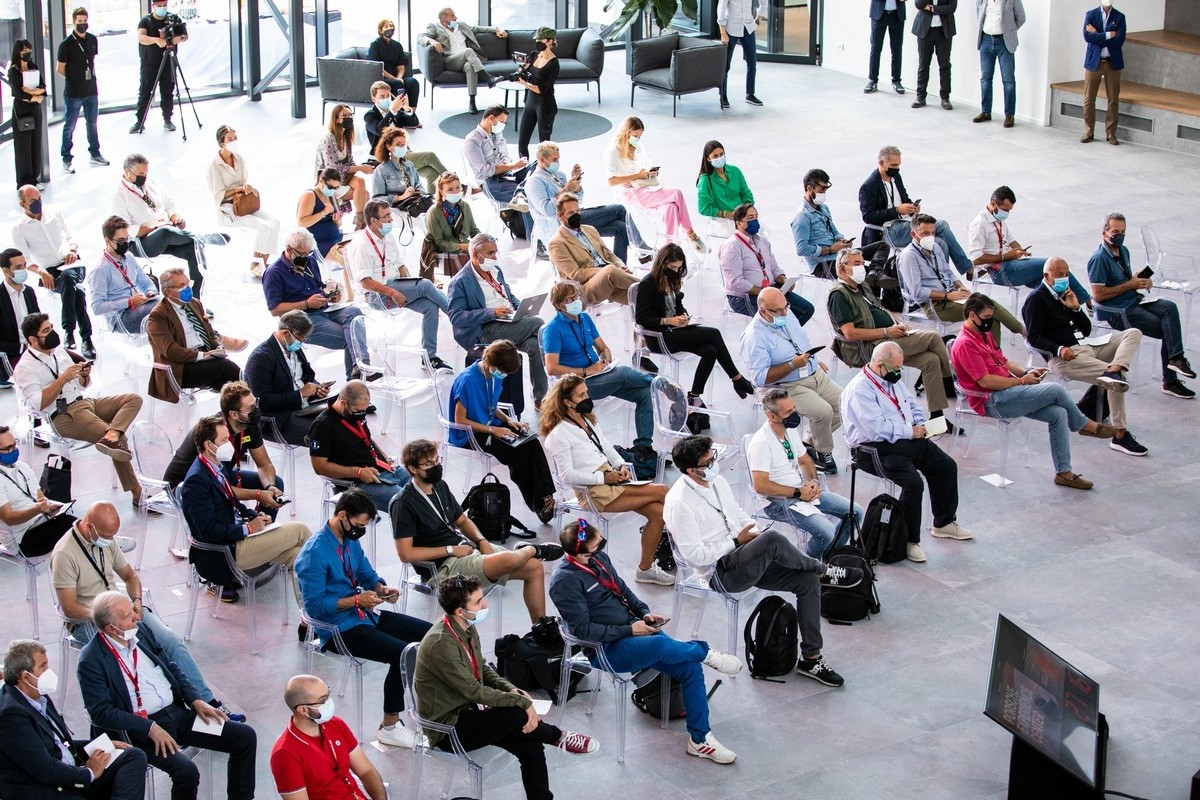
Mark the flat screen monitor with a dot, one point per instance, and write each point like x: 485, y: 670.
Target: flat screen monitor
x: 1040, y: 698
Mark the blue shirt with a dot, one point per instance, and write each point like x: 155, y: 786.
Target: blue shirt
x: 923, y: 273
x: 813, y: 229
x: 572, y: 340
x: 39, y: 705
x: 764, y: 346
x: 324, y: 570
x: 110, y: 291
x: 282, y: 284
x: 869, y: 415
x: 479, y: 396
x: 542, y: 187
x: 1103, y: 268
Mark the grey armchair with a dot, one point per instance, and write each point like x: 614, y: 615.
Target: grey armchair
x: 346, y: 77
x: 677, y: 65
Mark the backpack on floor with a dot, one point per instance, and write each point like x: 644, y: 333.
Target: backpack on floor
x: 885, y: 531
x: 514, y: 222
x: 489, y: 506
x: 772, y: 638
x: 844, y: 605
x: 647, y: 696
x: 530, y: 664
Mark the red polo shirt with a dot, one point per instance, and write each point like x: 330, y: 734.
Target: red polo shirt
x: 318, y: 765
x: 974, y: 356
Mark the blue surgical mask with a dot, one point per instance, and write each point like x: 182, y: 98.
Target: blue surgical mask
x: 1061, y: 284
x: 159, y: 11
x: 384, y: 104
x: 325, y: 190
x: 480, y: 616
x: 400, y: 151
x: 575, y: 307
x: 712, y: 471
x: 780, y: 321
x: 453, y: 25
x: 553, y: 167
x: 1000, y: 215
x: 103, y: 543
x: 454, y: 199
x: 753, y: 227
x: 8, y: 459
x: 498, y: 375
x: 385, y: 228
x: 294, y: 346
x: 19, y: 276
x: 718, y: 162
x: 185, y: 294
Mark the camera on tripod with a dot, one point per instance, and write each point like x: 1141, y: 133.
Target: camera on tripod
x: 522, y: 72
x: 173, y: 28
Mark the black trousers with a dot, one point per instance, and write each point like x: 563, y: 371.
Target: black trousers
x: 41, y: 538
x: 385, y: 643
x: 540, y: 111
x: 410, y: 86
x: 936, y: 42
x: 27, y: 155
x: 902, y: 461
x: 166, y: 88
x: 502, y: 727
x: 528, y: 467
x: 891, y: 25
x: 172, y: 241
x: 705, y: 342
x: 68, y: 282
x: 210, y: 373
x: 237, y: 739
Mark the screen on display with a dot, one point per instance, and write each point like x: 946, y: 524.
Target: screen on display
x: 1045, y: 701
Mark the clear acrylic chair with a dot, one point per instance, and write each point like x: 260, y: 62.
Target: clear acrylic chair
x: 188, y: 398
x: 642, y: 338
x: 1004, y: 425
x: 702, y: 583
x: 472, y: 451
x: 757, y: 503
x: 330, y: 489
x: 403, y: 392
x: 152, y: 451
x: 287, y: 456
x: 671, y: 408
x: 1173, y: 272
x: 336, y: 647
x: 10, y: 552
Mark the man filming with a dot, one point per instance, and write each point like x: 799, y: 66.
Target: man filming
x: 158, y: 33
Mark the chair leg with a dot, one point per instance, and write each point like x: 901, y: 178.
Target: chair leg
x: 287, y: 582
x: 674, y: 105
x: 622, y: 702
x: 732, y: 605
x: 187, y: 633
x: 33, y: 602
x: 632, y: 89
x: 249, y: 587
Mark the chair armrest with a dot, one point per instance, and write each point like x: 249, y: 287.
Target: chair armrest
x: 656, y: 53
x: 590, y: 52
x: 697, y: 64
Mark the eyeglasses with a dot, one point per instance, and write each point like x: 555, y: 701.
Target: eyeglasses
x: 322, y: 701
x: 8, y: 449
x: 775, y: 312
x: 429, y: 464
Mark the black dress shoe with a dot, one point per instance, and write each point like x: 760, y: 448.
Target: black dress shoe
x: 646, y: 365
x: 724, y: 102
x: 919, y: 103
x: 471, y: 107
x: 946, y: 104
x: 88, y: 350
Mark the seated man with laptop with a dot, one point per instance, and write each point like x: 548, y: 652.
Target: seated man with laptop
x: 285, y: 383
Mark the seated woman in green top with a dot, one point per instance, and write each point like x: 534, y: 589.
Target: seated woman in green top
x: 720, y: 188
x: 449, y: 225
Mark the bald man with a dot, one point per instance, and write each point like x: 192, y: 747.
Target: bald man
x: 777, y: 352
x: 86, y: 562
x: 313, y: 726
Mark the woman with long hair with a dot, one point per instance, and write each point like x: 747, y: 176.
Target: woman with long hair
x: 720, y: 187
x: 629, y: 169
x: 584, y: 458
x: 660, y: 308
x: 336, y: 151
x: 396, y: 178
x: 540, y: 106
x: 318, y: 211
x: 26, y: 113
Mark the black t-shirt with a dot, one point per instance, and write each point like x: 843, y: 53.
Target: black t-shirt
x: 333, y: 437
x: 153, y: 27
x: 428, y: 520
x: 247, y: 440
x: 80, y: 57
x: 391, y: 53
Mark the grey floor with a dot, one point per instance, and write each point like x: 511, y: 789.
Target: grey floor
x: 1107, y: 578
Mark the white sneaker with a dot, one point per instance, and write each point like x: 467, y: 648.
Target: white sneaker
x: 723, y: 662
x: 400, y: 736
x: 915, y: 553
x: 654, y: 575
x: 126, y: 544
x: 951, y: 531
x: 711, y: 749
x: 519, y: 205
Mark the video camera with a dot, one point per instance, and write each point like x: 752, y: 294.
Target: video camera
x: 522, y: 72
x: 173, y: 28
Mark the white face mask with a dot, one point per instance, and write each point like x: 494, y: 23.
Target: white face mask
x: 490, y: 265
x: 927, y: 243
x: 498, y: 126
x: 480, y: 616
x: 47, y: 682
x: 232, y: 147
x: 634, y: 141
x: 225, y: 452
x: 712, y: 471
x: 819, y: 199
x: 1106, y: 3
x: 324, y: 713
x: 858, y: 273
x: 130, y: 636
x: 454, y: 199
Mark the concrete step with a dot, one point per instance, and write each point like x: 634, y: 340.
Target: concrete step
x: 1150, y: 115
x: 1166, y: 59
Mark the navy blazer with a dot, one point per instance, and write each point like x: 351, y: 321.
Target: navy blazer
x: 1098, y: 41
x: 923, y: 20
x: 31, y: 765
x: 11, y: 340
x: 105, y: 695
x: 875, y: 203
x: 468, y: 313
x: 270, y: 378
x: 877, y: 9
x: 212, y: 520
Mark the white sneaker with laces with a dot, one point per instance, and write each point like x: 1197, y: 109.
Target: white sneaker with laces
x: 915, y: 553
x: 723, y: 662
x: 400, y: 736
x: 711, y: 749
x: 951, y: 531
x: 654, y: 575
x: 127, y: 544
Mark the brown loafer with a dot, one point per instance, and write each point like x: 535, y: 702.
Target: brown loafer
x: 1087, y: 137
x: 117, y: 451
x: 982, y: 117
x: 1112, y: 140
x: 1072, y: 480
x: 1009, y: 122
x: 1102, y: 431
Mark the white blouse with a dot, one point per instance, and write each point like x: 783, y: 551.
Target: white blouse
x: 222, y: 177
x: 576, y: 458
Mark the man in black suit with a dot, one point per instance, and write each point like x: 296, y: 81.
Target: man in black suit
x: 283, y: 381
x: 933, y: 25
x: 16, y: 302
x: 887, y: 16
x: 39, y: 759
x: 159, y: 714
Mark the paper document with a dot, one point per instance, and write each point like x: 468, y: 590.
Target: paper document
x: 788, y: 285
x: 30, y: 79
x: 635, y: 483
x: 334, y: 307
x: 1097, y: 341
x: 606, y: 370
x: 101, y: 744
x: 267, y: 529
x: 805, y: 508
x: 935, y: 426
x: 542, y: 707
x: 211, y: 728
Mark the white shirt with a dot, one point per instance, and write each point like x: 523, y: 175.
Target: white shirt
x: 458, y: 39
x: 617, y: 164
x: 937, y: 21
x: 363, y: 261
x: 153, y: 684
x: 766, y: 454
x: 576, y: 457
x: 985, y: 234
x: 46, y: 241
x: 35, y: 371
x: 18, y: 489
x: 992, y: 24
x: 222, y: 177
x: 190, y: 334
x: 491, y: 298
x: 703, y: 521
x: 128, y: 203
x: 17, y: 298
x: 739, y: 17
x: 294, y: 366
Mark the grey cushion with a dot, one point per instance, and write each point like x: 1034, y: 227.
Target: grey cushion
x: 660, y: 78
x: 346, y: 78
x: 653, y: 53
x: 580, y: 52
x: 698, y: 64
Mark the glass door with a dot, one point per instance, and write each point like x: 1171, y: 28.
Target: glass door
x: 793, y: 29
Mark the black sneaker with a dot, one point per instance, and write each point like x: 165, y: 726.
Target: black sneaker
x: 228, y: 594
x: 1180, y: 364
x: 547, y: 552
x: 897, y: 87
x: 870, y: 87
x: 824, y: 463
x: 841, y: 577
x: 1177, y: 389
x: 724, y: 102
x: 819, y: 671
x: 1113, y: 379
x: 99, y: 161
x: 168, y: 125
x: 137, y: 128
x: 437, y: 365
x: 1128, y: 445
x: 302, y: 632
x: 752, y: 100
x: 646, y: 365
x: 88, y: 350
x: 664, y: 556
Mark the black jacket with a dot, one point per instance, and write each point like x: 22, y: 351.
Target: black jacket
x: 270, y: 378
x: 923, y: 20
x: 212, y: 519
x: 875, y: 203
x: 31, y: 766
x: 11, y: 341
x: 1049, y: 324
x: 652, y: 305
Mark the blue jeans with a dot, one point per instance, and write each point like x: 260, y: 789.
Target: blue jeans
x: 381, y: 494
x: 1158, y: 319
x: 91, y: 113
x: 503, y: 188
x: 332, y: 330
x: 826, y: 530
x: 991, y: 50
x: 632, y: 385
x: 800, y: 307
x: 680, y: 660
x: 609, y: 221
x: 750, y: 53
x: 425, y: 299
x: 1048, y: 402
x: 172, y: 645
x: 131, y: 319
x: 1028, y: 272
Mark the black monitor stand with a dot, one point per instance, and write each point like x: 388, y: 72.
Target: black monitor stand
x: 1031, y: 774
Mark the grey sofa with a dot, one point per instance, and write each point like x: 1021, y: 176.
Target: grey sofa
x: 677, y: 65
x: 580, y: 52
x: 346, y: 77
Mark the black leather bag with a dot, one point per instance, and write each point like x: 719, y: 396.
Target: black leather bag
x: 56, y: 478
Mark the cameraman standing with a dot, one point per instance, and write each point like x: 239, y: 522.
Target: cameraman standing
x: 538, y: 78
x: 153, y: 45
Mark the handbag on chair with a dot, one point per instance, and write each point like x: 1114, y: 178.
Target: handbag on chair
x: 246, y: 203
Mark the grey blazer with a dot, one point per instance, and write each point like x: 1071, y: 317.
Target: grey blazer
x: 1012, y: 17
x: 436, y: 33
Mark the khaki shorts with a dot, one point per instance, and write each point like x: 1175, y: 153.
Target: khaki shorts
x: 601, y: 495
x: 469, y: 566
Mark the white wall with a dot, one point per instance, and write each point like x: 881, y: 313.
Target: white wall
x: 1050, y: 51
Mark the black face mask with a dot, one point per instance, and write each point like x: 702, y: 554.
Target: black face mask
x: 301, y: 261
x: 51, y: 340
x: 433, y: 474
x: 1116, y: 239
x: 81, y: 27
x: 355, y: 416
x: 575, y: 221
x: 347, y: 124
x: 599, y: 547
x: 139, y: 181
x: 585, y: 406
x: 354, y: 532
x: 253, y: 416
x: 793, y: 420
x: 893, y: 172
x: 539, y: 46
x: 27, y: 55
x: 985, y: 325
x: 389, y: 33
x: 121, y: 248
x: 891, y: 375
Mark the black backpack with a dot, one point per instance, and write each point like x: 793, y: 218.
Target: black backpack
x: 884, y: 530
x: 531, y: 664
x: 489, y: 506
x: 514, y: 222
x: 647, y: 694
x: 843, y: 605
x: 883, y: 262
x: 772, y: 638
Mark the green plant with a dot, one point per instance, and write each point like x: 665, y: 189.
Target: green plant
x: 660, y: 12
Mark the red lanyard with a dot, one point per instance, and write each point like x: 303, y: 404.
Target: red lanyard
x: 226, y: 489
x: 120, y: 268
x: 761, y: 263
x: 606, y: 580
x: 487, y: 276
x: 999, y: 235
x: 467, y: 650
x: 132, y: 675
x: 890, y: 395
x: 360, y: 433
x: 344, y: 558
x: 382, y: 260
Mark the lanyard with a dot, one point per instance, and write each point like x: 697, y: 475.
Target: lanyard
x: 591, y: 434
x: 493, y: 398
x: 605, y: 580
x: 236, y: 469
x: 718, y: 508
x: 132, y: 675
x: 580, y: 338
x: 382, y: 259
x: 23, y: 486
x: 226, y: 489
x: 438, y: 511
x: 889, y: 394
x: 86, y: 548
x: 360, y: 433
x: 144, y: 196
x: 487, y: 276
x: 331, y: 752
x: 761, y: 263
x: 53, y: 368
x: 348, y: 571
x: 120, y: 268
x: 990, y: 348
x: 467, y: 650
x: 999, y: 235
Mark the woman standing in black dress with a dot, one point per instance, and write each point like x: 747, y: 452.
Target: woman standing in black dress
x: 540, y: 106
x: 26, y: 114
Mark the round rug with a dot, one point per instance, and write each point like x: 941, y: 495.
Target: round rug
x: 569, y: 126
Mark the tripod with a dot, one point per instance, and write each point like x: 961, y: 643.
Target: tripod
x: 170, y: 57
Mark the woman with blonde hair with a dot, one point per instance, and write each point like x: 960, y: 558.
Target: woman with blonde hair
x: 449, y: 225
x: 584, y: 457
x: 629, y: 169
x: 336, y: 151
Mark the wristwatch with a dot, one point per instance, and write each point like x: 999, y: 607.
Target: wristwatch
x: 796, y: 493
x: 449, y: 550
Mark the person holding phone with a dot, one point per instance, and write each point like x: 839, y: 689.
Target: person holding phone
x: 748, y: 266
x: 280, y: 376
x: 538, y: 79
x: 999, y: 388
x: 817, y: 239
x: 119, y: 288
